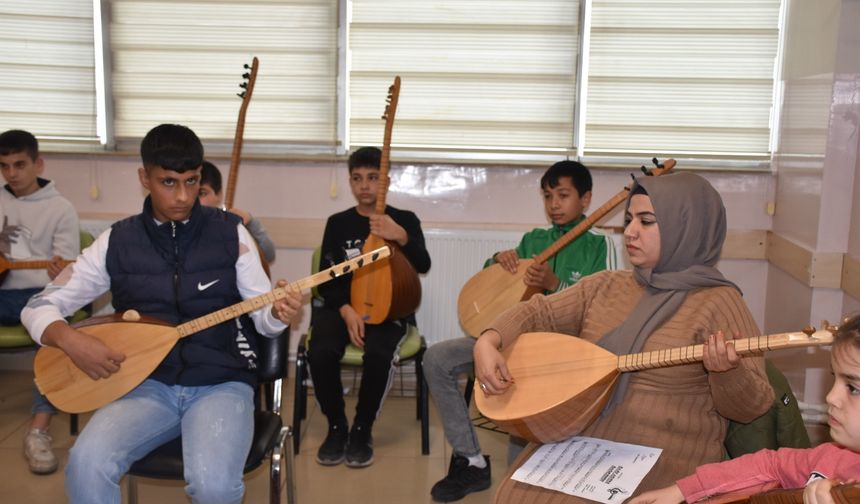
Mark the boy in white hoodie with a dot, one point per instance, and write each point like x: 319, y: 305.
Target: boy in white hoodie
x: 37, y: 224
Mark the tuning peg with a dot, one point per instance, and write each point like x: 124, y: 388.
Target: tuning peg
x: 246, y: 75
x: 247, y: 66
x: 243, y: 85
x: 830, y: 327
x: 808, y: 330
x: 657, y: 163
x: 645, y: 170
x: 241, y: 95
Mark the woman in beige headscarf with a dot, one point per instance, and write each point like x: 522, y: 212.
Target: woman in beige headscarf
x: 675, y: 226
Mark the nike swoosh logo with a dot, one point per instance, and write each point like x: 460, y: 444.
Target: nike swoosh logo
x: 203, y: 287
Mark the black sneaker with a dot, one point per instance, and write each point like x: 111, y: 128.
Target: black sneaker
x: 332, y: 450
x: 462, y: 479
x: 359, y: 450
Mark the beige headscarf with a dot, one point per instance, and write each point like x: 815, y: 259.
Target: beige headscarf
x: 692, y: 221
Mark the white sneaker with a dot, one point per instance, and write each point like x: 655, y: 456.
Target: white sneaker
x: 40, y: 455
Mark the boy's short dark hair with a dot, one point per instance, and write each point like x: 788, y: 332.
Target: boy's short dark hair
x: 211, y: 176
x: 578, y: 173
x: 172, y: 147
x: 15, y: 141
x: 848, y: 333
x: 365, y: 157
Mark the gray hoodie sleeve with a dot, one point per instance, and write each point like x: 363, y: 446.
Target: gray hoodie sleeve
x: 263, y: 241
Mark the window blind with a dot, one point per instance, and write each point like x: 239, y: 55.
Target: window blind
x: 181, y: 61
x: 478, y: 74
x: 681, y: 76
x: 48, y: 84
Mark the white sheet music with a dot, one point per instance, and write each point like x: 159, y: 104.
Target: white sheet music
x: 595, y: 469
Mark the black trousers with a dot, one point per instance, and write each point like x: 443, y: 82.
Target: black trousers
x: 329, y: 338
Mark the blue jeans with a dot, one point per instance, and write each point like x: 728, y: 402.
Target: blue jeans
x: 12, y: 301
x: 41, y: 404
x: 217, y: 427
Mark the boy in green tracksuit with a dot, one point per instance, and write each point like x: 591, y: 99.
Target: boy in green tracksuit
x: 590, y: 253
x: 566, y: 191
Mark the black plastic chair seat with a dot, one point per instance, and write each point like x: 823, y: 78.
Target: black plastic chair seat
x: 165, y: 462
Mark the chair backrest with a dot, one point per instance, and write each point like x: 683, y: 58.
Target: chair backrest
x: 272, y: 357
x: 87, y: 239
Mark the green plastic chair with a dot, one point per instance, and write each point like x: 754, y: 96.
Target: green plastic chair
x: 15, y: 339
x: 411, y: 349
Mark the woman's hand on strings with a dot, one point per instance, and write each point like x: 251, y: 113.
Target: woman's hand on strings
x: 719, y: 353
x: 491, y: 371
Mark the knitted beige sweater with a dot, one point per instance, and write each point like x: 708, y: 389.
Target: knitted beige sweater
x: 681, y: 409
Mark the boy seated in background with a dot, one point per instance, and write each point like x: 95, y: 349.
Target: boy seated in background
x: 210, y: 195
x: 38, y: 224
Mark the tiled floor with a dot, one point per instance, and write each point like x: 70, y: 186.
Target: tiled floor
x: 400, y: 474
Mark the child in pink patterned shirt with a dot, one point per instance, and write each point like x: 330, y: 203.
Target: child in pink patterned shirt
x: 816, y: 469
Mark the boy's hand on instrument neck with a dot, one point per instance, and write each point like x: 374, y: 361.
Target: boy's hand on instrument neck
x: 92, y: 356
x: 384, y: 227
x: 286, y: 308
x: 55, y: 267
x: 542, y: 277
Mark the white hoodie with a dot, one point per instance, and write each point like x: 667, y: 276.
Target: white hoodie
x: 48, y: 226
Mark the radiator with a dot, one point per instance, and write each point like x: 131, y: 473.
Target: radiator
x: 456, y: 255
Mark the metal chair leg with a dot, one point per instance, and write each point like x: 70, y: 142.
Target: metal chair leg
x: 278, y: 452
x: 422, y: 396
x: 299, y: 400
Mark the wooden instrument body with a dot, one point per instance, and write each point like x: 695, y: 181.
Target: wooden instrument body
x: 392, y: 282
x: 553, y: 400
x: 143, y: 342
x: 562, y: 383
x: 389, y: 289
x: 490, y: 292
x: 146, y: 341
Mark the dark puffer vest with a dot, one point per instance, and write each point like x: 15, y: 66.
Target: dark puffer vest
x: 176, y: 272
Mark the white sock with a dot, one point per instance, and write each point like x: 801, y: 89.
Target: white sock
x: 478, y: 461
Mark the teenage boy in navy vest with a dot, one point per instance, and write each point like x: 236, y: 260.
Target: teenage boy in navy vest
x: 336, y: 323
x: 175, y: 261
